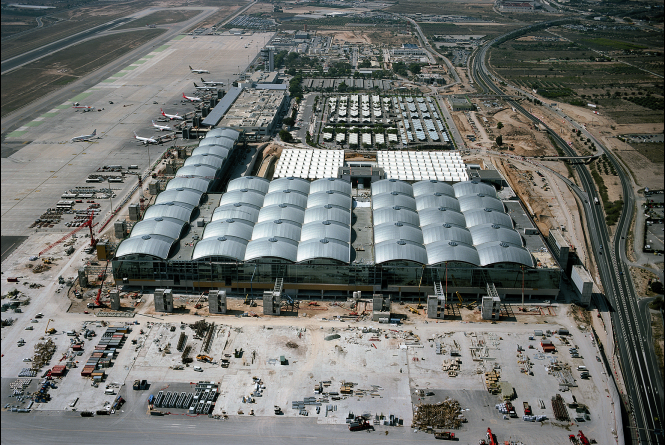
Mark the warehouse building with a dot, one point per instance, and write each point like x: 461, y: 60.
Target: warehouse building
x: 318, y: 241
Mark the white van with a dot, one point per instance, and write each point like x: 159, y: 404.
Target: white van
x: 581, y: 368
x: 198, y: 369
x: 109, y: 391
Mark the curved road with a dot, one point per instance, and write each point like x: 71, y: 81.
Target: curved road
x: 633, y: 330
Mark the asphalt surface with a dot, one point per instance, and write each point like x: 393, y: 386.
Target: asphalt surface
x: 9, y: 243
x: 47, y: 50
x: 632, y: 327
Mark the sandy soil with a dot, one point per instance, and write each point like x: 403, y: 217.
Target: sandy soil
x: 348, y: 36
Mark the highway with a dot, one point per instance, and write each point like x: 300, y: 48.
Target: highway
x: 632, y: 328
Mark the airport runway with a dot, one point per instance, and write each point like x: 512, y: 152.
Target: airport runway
x: 35, y: 109
x: 47, y: 50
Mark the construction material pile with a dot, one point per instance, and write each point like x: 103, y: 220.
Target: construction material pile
x: 43, y: 353
x: 291, y: 345
x: 444, y: 415
x: 200, y: 328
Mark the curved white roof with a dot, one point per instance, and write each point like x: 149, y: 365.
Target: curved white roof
x: 329, y: 197
x: 230, y: 247
x: 327, y: 213
x: 236, y: 210
x: 391, y: 185
x: 282, y: 211
x: 290, y: 183
x: 432, y: 186
x: 179, y: 195
x: 473, y: 188
x: 397, y: 230
x: 501, y: 252
x: 485, y: 233
x: 324, y: 248
x: 286, y: 196
x: 480, y: 201
x: 325, y: 229
x: 435, y: 201
x: 275, y: 247
x: 393, y: 199
x: 169, y: 210
x: 169, y: 227
x: 221, y: 141
x: 205, y: 159
x: 198, y: 170
x: 154, y: 245
x: 476, y: 217
x: 446, y: 251
x: 249, y: 182
x: 323, y: 185
x: 213, y: 150
x: 247, y: 196
x: 400, y: 250
x: 392, y: 215
x: 441, y: 215
x: 223, y: 131
x: 282, y: 228
x: 240, y: 228
x: 446, y: 232
x: 197, y: 184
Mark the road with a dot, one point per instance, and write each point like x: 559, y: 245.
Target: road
x: 46, y: 50
x: 632, y: 327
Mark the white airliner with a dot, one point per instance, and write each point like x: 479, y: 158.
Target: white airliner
x: 198, y: 71
x: 172, y: 116
x: 211, y: 82
x: 204, y: 88
x: 85, y: 137
x: 84, y: 107
x: 191, y: 98
x: 161, y: 127
x: 145, y: 141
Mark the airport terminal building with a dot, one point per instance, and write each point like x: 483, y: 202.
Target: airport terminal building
x: 399, y: 240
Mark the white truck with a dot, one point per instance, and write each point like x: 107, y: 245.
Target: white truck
x: 595, y: 201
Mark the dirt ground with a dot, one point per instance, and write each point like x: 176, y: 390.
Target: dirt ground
x: 518, y: 132
x: 355, y: 37
x: 641, y: 279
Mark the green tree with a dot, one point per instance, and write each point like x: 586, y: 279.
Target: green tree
x: 499, y: 140
x: 285, y: 136
x: 289, y: 121
x: 499, y: 125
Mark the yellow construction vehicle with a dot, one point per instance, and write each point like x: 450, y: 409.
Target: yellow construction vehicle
x: 204, y: 358
x: 459, y: 297
x: 412, y: 310
x: 47, y: 330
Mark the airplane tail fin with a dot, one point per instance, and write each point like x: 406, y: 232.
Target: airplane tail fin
x: 136, y: 136
x: 153, y: 122
x: 162, y: 111
x: 183, y: 95
x: 195, y: 85
x: 94, y: 132
x: 190, y: 67
x: 203, y: 80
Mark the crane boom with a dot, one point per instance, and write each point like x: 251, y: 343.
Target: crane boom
x: 88, y: 223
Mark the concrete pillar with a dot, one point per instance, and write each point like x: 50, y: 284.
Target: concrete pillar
x: 115, y: 300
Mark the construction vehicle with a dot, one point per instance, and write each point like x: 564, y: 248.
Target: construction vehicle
x: 527, y: 409
x: 413, y: 310
x: 20, y: 342
x: 582, y: 438
x: 360, y: 424
x: 490, y: 439
x: 47, y: 330
x: 278, y: 410
x: 137, y: 385
x: 313, y: 303
x: 204, y: 358
x: 445, y: 435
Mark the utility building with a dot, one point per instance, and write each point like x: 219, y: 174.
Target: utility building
x: 217, y: 301
x: 163, y: 300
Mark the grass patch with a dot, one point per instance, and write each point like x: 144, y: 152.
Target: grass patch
x: 612, y: 209
x: 161, y: 18
x: 657, y: 331
x: 653, y: 151
x: 16, y: 134
x: 614, y: 44
x: 38, y: 78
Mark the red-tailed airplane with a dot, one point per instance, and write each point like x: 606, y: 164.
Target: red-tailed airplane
x: 191, y: 98
x: 172, y: 116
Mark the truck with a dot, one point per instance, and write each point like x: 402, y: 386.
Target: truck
x: 595, y: 201
x: 359, y: 424
x: 445, y: 435
x: 527, y: 409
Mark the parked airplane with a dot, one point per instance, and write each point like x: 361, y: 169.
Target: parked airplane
x: 161, y: 127
x: 172, y: 116
x: 191, y: 98
x: 211, y: 82
x: 204, y: 88
x: 84, y: 107
x: 145, y: 141
x: 85, y: 137
x: 198, y: 71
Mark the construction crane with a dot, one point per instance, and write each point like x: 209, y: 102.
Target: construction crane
x: 98, y: 300
x: 47, y: 330
x: 88, y: 223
